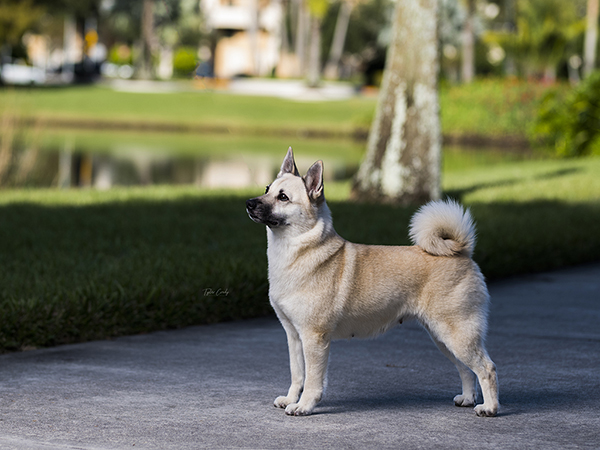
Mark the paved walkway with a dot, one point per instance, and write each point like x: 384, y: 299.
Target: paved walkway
x: 212, y: 387
x: 289, y: 89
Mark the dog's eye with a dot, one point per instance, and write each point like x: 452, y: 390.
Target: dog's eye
x: 267, y: 188
x: 282, y: 197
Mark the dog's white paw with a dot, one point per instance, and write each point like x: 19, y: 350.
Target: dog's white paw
x: 485, y: 411
x: 464, y: 400
x: 295, y: 409
x: 282, y: 401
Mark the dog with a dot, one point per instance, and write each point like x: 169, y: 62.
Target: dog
x: 323, y: 287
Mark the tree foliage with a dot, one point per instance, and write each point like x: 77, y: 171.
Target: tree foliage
x: 369, y: 32
x: 79, y: 8
x: 123, y: 20
x: 17, y: 17
x: 571, y: 124
x: 545, y: 32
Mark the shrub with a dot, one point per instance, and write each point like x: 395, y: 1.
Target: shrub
x: 120, y: 54
x: 570, y: 123
x: 184, y: 61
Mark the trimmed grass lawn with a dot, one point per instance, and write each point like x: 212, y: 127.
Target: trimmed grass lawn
x: 217, y: 109
x: 486, y: 107
x: 82, y: 264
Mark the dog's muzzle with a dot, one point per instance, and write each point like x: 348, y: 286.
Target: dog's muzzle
x: 251, y: 205
x: 261, y: 213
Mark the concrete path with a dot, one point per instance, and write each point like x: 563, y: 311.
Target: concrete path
x: 296, y: 90
x: 291, y: 89
x: 212, y: 387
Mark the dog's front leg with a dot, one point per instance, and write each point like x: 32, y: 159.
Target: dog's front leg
x: 316, y: 354
x: 296, y: 366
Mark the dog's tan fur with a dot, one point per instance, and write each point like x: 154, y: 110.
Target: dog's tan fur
x: 323, y: 287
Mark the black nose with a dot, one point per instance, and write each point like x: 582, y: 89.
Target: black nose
x: 251, y: 204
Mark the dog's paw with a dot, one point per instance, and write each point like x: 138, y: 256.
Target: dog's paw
x: 282, y: 402
x: 484, y: 411
x: 295, y: 409
x: 464, y: 400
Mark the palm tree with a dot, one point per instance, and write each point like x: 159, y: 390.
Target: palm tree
x: 148, y: 39
x: 339, y: 38
x: 591, y: 37
x: 402, y: 163
x: 317, y: 10
x: 468, y: 44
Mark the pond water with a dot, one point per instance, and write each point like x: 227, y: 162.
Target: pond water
x: 102, y: 159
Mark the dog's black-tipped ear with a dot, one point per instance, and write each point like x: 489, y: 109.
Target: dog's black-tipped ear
x: 289, y: 165
x: 313, y: 180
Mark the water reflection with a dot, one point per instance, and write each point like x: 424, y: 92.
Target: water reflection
x: 102, y: 160
x: 72, y: 168
x: 102, y: 171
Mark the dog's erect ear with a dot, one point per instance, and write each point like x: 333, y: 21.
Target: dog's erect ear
x: 289, y: 165
x: 313, y: 180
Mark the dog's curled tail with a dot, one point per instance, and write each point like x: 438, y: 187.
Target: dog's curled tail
x: 443, y: 228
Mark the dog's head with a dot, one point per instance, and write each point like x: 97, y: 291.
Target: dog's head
x: 290, y: 200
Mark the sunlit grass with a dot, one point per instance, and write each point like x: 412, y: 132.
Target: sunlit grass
x: 575, y: 180
x: 486, y: 107
x: 190, y: 107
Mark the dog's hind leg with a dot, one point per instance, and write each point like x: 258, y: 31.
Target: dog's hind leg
x: 467, y: 377
x: 466, y: 345
x: 485, y: 369
x: 296, y: 365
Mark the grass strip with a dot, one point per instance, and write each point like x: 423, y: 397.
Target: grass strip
x: 497, y: 109
x: 184, y: 110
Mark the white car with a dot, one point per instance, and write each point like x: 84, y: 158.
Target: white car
x: 21, y: 74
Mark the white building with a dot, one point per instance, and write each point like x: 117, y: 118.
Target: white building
x: 249, y: 35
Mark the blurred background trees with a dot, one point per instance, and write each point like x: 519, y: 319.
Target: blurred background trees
x: 347, y: 39
x: 69, y: 41
x: 546, y: 38
x: 16, y: 18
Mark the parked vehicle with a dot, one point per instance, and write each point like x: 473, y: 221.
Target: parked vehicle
x: 21, y: 74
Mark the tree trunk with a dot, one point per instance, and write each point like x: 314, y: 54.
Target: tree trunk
x: 314, y: 59
x: 69, y: 48
x: 253, y: 34
x: 300, y: 44
x: 402, y: 163
x: 510, y: 17
x: 285, y: 42
x: 468, y: 45
x: 339, y: 38
x: 147, y: 39
x: 591, y: 38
